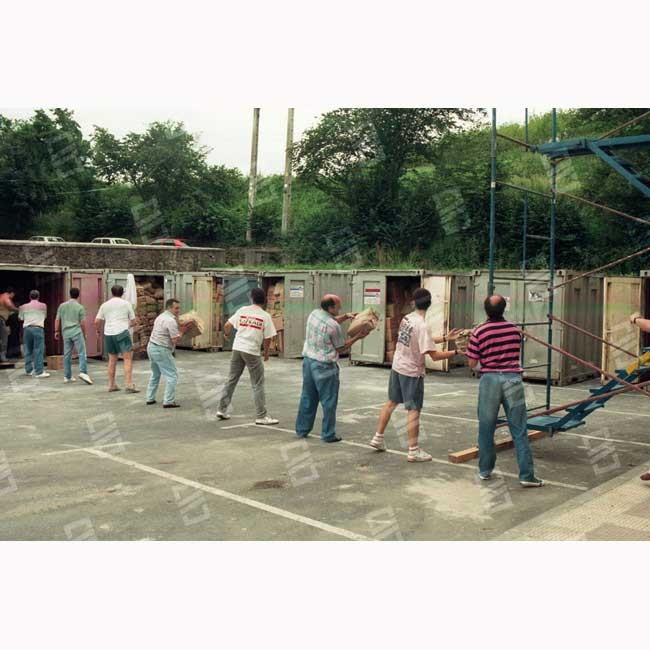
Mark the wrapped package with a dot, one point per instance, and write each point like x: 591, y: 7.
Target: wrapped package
x: 198, y: 326
x: 365, y: 321
x: 462, y: 341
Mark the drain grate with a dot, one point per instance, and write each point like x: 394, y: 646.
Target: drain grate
x: 269, y: 485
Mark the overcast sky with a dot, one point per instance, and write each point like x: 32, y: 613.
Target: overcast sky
x: 226, y: 131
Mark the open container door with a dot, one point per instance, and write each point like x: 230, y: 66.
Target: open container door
x: 298, y: 304
x: 369, y: 290
x: 437, y: 316
x: 622, y: 297
x: 92, y: 291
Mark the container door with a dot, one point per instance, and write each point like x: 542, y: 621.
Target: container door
x: 170, y: 286
x: 337, y: 283
x: 437, y: 316
x: 114, y: 277
x: 204, y: 305
x: 298, y: 304
x: 622, y: 298
x: 369, y: 290
x: 91, y: 286
x: 236, y: 294
x: 461, y: 309
x: 532, y: 307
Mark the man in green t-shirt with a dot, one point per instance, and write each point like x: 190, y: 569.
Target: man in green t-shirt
x: 71, y: 323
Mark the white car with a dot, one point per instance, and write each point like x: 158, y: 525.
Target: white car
x: 46, y: 238
x: 111, y: 240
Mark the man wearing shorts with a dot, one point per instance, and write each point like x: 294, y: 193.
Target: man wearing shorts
x: 406, y: 383
x: 117, y: 316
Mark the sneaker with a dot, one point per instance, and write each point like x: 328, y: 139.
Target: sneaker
x: 173, y: 405
x: 418, y: 456
x: 223, y: 416
x: 43, y: 375
x: 266, y: 420
x: 378, y: 443
x: 67, y: 381
x: 85, y: 378
x: 484, y: 477
x: 535, y: 482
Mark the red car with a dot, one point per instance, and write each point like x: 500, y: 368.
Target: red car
x: 178, y: 243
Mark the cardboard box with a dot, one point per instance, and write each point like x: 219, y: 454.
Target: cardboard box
x: 198, y: 326
x: 55, y: 362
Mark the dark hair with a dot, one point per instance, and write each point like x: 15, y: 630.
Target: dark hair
x: 117, y: 291
x: 10, y: 290
x: 422, y: 298
x: 258, y: 296
x: 171, y: 302
x: 495, y: 310
x: 34, y: 294
x: 327, y: 303
x: 74, y: 293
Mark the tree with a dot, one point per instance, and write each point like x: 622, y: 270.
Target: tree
x: 358, y: 156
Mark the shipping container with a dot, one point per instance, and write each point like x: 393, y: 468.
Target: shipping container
x: 203, y: 293
x: 53, y: 284
x: 290, y: 300
x: 237, y: 287
x: 580, y: 303
x: 622, y: 297
x: 91, y: 285
x: 338, y: 283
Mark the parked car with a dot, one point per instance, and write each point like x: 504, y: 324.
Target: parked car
x: 46, y: 238
x: 178, y: 243
x: 111, y: 240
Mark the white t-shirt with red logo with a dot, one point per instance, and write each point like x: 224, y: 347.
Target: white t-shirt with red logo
x: 253, y: 325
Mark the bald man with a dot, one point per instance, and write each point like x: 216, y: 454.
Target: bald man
x: 496, y: 346
x: 324, y: 342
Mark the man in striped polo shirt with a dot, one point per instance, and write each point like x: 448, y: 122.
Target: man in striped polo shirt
x: 496, y: 345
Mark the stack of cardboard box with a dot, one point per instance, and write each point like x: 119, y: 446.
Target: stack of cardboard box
x: 399, y: 304
x: 275, y: 307
x: 151, y: 303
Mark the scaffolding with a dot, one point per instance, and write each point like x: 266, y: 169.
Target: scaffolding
x: 607, y: 148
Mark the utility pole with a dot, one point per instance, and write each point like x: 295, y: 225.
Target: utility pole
x: 288, y: 163
x: 252, y: 183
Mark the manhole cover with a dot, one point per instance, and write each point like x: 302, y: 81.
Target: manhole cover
x: 267, y: 485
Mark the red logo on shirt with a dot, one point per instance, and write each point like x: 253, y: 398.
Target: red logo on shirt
x: 251, y: 321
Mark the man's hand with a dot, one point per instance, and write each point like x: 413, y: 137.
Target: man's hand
x: 57, y: 336
x: 266, y: 356
x: 452, y: 335
x: 186, y: 326
x: 352, y: 315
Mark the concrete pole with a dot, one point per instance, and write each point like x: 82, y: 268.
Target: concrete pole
x: 252, y: 183
x: 288, y: 163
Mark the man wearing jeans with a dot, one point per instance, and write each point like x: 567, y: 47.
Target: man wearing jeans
x: 496, y: 345
x: 71, y: 322
x: 33, y: 315
x: 255, y: 329
x: 320, y: 369
x: 165, y: 335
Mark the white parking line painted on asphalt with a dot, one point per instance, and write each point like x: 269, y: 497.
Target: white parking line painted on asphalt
x: 76, y: 449
x: 335, y: 530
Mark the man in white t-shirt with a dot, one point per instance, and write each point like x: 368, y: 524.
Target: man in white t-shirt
x: 117, y: 315
x: 254, y: 329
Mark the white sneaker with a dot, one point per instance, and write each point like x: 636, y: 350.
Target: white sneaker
x: 85, y: 378
x: 378, y: 443
x: 223, y: 416
x: 43, y: 375
x: 266, y: 420
x: 67, y: 381
x: 418, y: 456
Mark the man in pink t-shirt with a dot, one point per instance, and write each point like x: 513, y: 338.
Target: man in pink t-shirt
x: 406, y: 383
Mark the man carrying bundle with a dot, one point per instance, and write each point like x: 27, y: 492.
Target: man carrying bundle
x: 324, y: 342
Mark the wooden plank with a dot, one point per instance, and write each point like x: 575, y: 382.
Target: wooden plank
x: 505, y: 443
x: 7, y: 365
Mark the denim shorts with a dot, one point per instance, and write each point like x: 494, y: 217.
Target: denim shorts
x: 406, y: 390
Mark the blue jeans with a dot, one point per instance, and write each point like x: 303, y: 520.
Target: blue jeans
x: 162, y: 363
x: 320, y: 383
x: 34, y: 342
x: 68, y: 345
x: 495, y: 389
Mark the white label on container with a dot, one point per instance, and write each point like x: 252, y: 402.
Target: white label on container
x: 297, y: 291
x: 507, y: 303
x: 371, y: 296
x: 535, y: 296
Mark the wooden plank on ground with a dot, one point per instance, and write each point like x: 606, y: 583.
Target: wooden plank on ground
x: 505, y: 443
